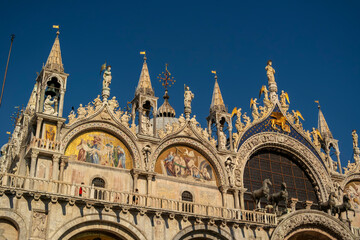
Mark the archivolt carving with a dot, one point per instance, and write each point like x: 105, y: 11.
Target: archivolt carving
x: 127, y: 140
x: 314, y: 219
x: 278, y: 140
x: 352, y: 177
x: 106, y: 222
x: 17, y: 220
x: 194, y: 231
x: 212, y: 158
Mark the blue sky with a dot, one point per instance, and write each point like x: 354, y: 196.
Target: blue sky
x: 314, y: 46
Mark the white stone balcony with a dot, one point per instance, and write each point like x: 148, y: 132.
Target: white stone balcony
x: 108, y: 198
x: 44, y: 144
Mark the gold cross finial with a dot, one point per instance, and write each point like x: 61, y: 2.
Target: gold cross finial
x: 166, y: 79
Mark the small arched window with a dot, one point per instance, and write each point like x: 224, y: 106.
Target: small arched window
x: 187, y: 196
x: 187, y: 205
x: 98, y: 183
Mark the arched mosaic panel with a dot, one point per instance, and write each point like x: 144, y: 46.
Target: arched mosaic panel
x: 186, y: 163
x: 99, y: 148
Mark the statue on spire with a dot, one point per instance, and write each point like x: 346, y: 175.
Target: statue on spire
x: 107, y: 77
x: 270, y: 71
x: 355, y: 138
x: 106, y: 81
x: 188, y: 97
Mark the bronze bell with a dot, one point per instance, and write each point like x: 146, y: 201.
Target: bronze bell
x: 51, y: 90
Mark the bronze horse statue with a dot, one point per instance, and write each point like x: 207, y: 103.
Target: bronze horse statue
x: 344, y: 207
x: 275, y: 198
x: 329, y: 205
x: 264, y: 191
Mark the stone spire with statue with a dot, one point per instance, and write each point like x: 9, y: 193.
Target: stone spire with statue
x: 188, y: 97
x: 270, y: 71
x: 106, y: 81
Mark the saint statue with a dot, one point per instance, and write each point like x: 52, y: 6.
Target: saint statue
x: 222, y: 139
x: 355, y: 138
x: 270, y: 71
x: 188, y: 97
x: 145, y: 124
x: 48, y: 108
x: 107, y: 77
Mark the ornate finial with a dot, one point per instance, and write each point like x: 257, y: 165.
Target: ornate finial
x: 166, y: 79
x: 318, y: 103
x: 58, y: 29
x: 144, y: 53
x: 214, y: 72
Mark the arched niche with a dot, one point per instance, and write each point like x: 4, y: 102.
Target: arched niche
x: 214, y: 161
x: 116, y: 131
x: 278, y: 166
x: 99, y: 147
x: 305, y: 157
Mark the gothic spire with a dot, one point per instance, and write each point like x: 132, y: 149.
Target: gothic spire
x: 217, y: 102
x: 54, y: 61
x: 323, y: 126
x: 144, y: 85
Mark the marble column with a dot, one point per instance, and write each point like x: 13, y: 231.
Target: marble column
x: 236, y: 198
x: 34, y: 155
x: 61, y: 104
x: 55, y: 167
x: 38, y: 127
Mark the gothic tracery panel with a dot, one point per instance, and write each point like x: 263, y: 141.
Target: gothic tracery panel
x: 100, y: 148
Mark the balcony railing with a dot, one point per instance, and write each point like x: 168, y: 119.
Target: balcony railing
x: 109, y: 197
x: 45, y: 144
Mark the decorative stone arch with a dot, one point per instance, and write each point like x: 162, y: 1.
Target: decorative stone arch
x: 189, y: 142
x: 107, y: 223
x: 127, y: 139
x: 17, y: 220
x: 62, y: 82
x: 350, y: 178
x: 204, y: 232
x: 280, y: 141
x: 308, y: 220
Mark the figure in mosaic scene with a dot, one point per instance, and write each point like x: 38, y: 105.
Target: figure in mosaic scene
x: 185, y: 163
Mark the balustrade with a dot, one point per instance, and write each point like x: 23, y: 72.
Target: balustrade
x: 107, y: 196
x: 45, y: 144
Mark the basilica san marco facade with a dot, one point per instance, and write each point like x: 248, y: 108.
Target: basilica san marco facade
x: 146, y: 173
